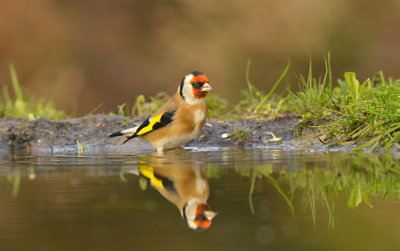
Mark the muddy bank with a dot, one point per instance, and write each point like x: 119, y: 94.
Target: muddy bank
x: 91, y: 132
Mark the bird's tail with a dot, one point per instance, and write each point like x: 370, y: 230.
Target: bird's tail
x: 127, y: 132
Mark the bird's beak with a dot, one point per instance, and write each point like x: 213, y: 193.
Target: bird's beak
x: 206, y: 87
x: 210, y: 214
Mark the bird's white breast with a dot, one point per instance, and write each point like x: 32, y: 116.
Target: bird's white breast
x: 180, y: 139
x: 199, y: 116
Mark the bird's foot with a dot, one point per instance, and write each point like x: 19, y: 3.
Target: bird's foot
x: 160, y: 150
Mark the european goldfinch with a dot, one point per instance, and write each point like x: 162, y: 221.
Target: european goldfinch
x: 179, y: 120
x: 187, y: 188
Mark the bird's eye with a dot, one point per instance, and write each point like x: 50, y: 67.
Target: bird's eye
x: 200, y: 217
x: 197, y: 85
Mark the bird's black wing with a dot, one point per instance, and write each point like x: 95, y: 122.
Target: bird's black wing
x: 153, y: 123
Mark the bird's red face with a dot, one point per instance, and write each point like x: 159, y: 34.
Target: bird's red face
x: 204, y: 216
x: 200, y: 86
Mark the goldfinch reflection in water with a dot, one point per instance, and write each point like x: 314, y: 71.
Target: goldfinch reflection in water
x: 184, y: 186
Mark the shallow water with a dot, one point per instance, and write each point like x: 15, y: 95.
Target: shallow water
x: 275, y: 199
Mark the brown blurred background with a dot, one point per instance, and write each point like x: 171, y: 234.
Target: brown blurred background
x: 82, y: 53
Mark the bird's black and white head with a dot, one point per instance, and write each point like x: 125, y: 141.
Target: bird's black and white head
x: 198, y: 214
x: 194, y: 87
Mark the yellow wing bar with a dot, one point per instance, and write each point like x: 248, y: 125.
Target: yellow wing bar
x: 149, y: 127
x: 148, y: 172
x: 153, y: 123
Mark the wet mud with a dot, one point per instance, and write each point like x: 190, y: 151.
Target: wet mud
x: 90, y: 131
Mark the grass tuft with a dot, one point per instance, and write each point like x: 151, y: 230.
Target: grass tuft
x: 363, y: 113
x: 22, y: 107
x: 241, y: 135
x: 312, y: 96
x: 253, y: 103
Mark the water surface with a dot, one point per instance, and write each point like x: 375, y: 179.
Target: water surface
x: 274, y: 199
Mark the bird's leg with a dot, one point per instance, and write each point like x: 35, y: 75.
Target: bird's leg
x: 160, y: 149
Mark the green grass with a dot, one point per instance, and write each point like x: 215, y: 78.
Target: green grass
x: 19, y: 106
x: 256, y: 103
x: 312, y: 96
x: 253, y: 102
x: 240, y: 135
x: 363, y: 113
x: 142, y: 107
x: 349, y: 111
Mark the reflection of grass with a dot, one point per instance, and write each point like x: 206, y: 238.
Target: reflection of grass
x: 21, y: 107
x: 263, y: 171
x: 275, y: 183
x: 13, y: 178
x: 16, y: 181
x: 359, y: 177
